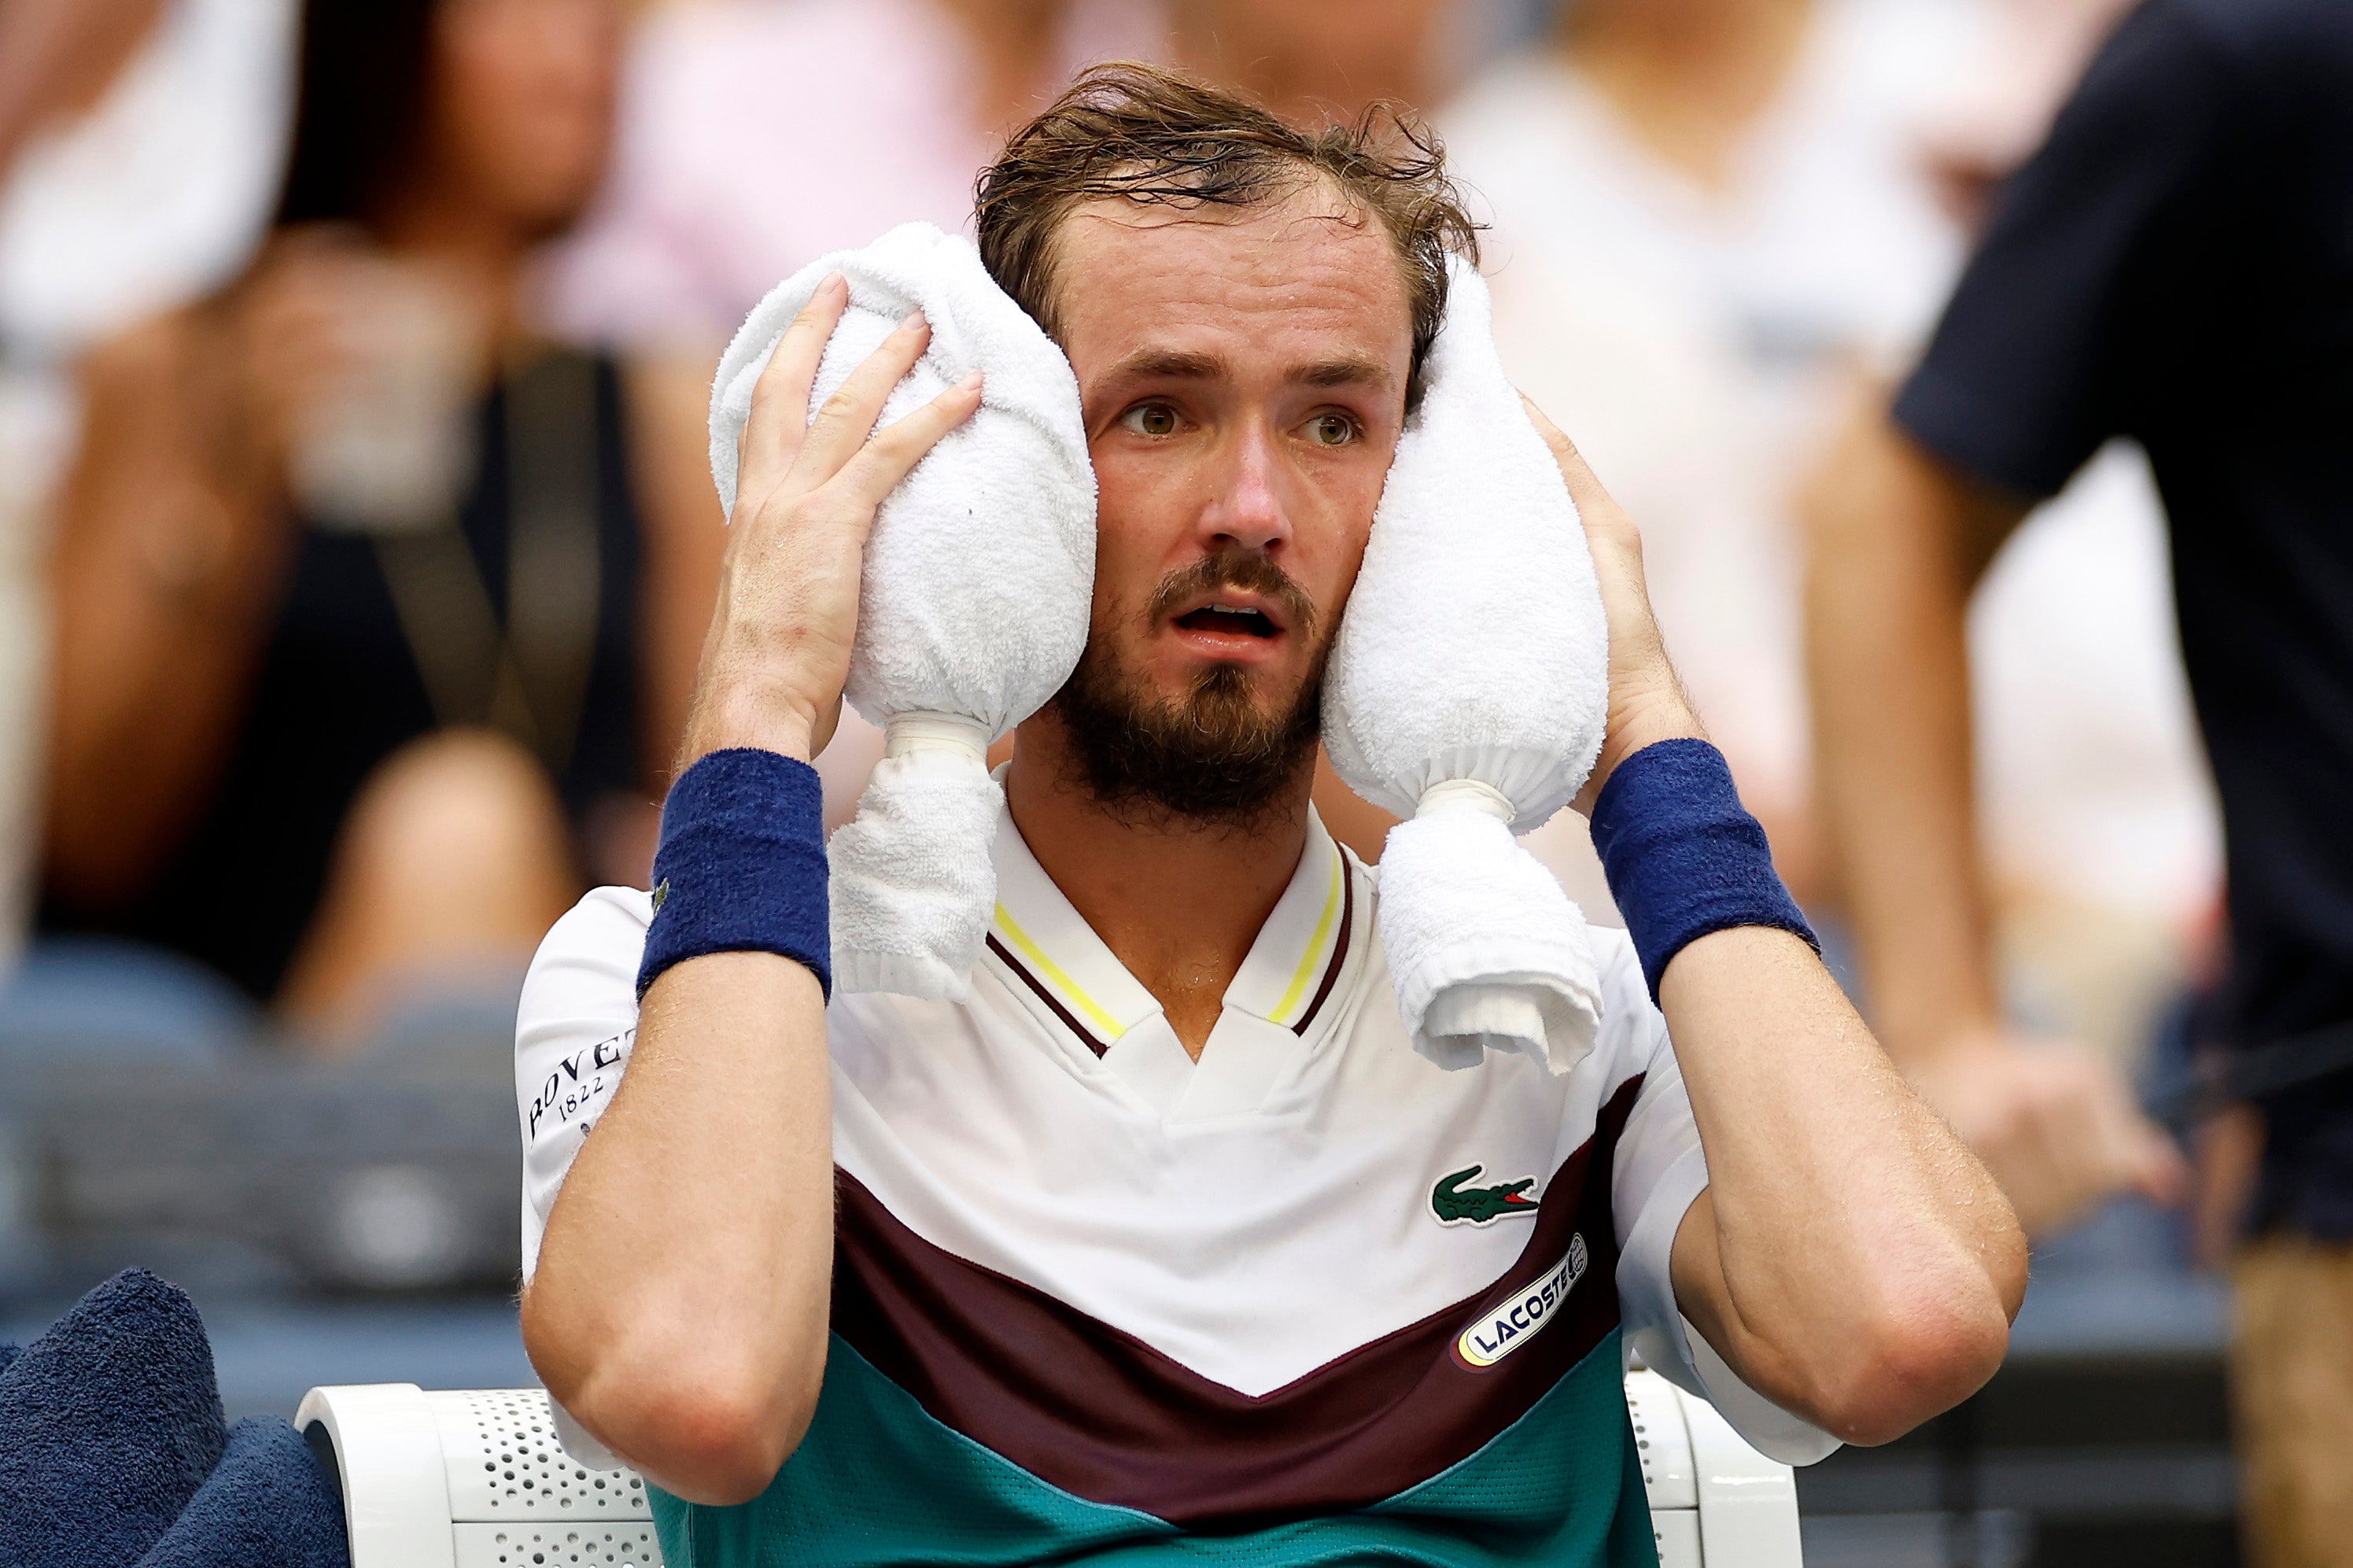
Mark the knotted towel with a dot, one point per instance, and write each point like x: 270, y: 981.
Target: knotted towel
x: 974, y: 603
x: 1468, y: 687
x: 108, y: 1423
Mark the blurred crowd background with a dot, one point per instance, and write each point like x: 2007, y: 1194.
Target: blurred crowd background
x: 356, y: 538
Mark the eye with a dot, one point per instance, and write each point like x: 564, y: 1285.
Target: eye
x: 1151, y: 420
x: 1332, y: 430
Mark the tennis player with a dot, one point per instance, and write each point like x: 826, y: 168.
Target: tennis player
x: 1165, y: 1244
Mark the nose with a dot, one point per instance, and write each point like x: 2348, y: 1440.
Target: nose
x: 1246, y: 509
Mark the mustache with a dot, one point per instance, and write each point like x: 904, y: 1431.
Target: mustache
x: 1243, y: 570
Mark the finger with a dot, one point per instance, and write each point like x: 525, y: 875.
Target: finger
x: 848, y: 418
x: 894, y: 453
x: 2159, y: 1173
x: 1583, y: 487
x: 772, y: 433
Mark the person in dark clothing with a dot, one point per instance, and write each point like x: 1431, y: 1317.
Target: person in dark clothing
x: 2174, y: 266
x: 365, y: 661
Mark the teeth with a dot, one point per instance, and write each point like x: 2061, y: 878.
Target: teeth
x: 1228, y: 610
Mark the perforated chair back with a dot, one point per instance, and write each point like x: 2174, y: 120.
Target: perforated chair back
x: 478, y: 1479
x: 472, y: 1479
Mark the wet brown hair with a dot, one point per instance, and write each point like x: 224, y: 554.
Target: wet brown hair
x: 1142, y: 133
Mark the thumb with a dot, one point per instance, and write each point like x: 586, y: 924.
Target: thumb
x: 2159, y: 1171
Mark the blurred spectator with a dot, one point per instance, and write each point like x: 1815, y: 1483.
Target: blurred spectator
x: 367, y: 645
x: 140, y: 145
x: 1714, y: 220
x: 1707, y: 219
x: 2035, y: 50
x: 1313, y: 60
x: 756, y: 135
x: 2174, y: 265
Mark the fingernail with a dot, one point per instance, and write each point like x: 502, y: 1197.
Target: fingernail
x: 969, y: 383
x: 833, y: 278
x: 914, y: 319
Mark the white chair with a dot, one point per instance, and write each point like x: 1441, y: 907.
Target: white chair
x: 477, y: 1479
x: 1715, y: 1503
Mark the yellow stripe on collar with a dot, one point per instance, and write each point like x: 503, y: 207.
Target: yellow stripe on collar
x: 1111, y: 1026
x: 1307, y: 964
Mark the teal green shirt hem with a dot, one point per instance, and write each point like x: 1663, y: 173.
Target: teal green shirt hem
x: 877, y: 1482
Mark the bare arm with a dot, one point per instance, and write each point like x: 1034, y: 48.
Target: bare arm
x: 58, y: 57
x: 168, y: 548
x: 679, y: 1307
x: 1849, y: 1259
x: 1897, y: 542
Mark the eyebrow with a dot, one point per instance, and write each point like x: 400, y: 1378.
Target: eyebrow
x: 1349, y: 370
x: 1174, y: 364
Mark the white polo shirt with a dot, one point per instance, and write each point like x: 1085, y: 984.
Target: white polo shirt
x: 1300, y: 1278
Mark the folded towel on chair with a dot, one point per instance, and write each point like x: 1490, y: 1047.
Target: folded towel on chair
x: 975, y: 604
x: 1467, y: 692
x: 108, y: 1423
x: 268, y: 1504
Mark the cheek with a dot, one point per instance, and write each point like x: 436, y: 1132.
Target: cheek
x: 1139, y: 525
x: 1332, y: 529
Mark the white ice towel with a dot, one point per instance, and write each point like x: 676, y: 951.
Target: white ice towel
x: 1468, y: 687
x: 975, y: 602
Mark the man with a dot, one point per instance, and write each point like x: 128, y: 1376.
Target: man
x: 1167, y: 1232
x: 2175, y: 265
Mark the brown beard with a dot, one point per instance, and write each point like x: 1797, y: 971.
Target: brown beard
x: 1215, y: 755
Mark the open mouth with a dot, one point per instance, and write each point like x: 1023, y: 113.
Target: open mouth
x: 1229, y: 619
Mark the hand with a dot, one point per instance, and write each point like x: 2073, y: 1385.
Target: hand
x: 2056, y: 1125
x: 1647, y: 700
x: 778, y: 649
x: 325, y: 319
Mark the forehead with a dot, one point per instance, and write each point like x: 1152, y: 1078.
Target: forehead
x: 1303, y: 273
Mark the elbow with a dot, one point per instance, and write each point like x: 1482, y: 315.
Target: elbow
x: 707, y: 1427
x: 708, y: 1439
x: 1912, y: 1359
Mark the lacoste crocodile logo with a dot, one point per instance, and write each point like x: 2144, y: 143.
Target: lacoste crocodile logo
x: 1456, y: 1205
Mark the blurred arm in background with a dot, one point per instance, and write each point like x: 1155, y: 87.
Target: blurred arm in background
x: 161, y: 582
x: 58, y: 56
x: 1897, y: 542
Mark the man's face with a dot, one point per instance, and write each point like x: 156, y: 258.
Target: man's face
x: 1243, y: 374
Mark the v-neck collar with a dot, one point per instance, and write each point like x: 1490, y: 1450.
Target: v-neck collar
x: 1286, y: 984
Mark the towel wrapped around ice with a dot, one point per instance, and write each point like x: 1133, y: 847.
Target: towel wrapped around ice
x: 1467, y: 692
x: 974, y: 603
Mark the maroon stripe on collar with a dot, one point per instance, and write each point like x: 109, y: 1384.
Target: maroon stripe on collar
x: 1098, y: 1412
x: 1339, y: 943
x: 1046, y: 996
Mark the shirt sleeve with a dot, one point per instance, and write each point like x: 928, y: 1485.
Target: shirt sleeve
x: 574, y: 1031
x: 2032, y: 366
x: 1659, y: 1171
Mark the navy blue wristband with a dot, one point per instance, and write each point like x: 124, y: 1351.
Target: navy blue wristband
x: 742, y: 865
x: 1683, y: 857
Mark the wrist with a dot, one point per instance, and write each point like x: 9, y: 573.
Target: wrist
x: 1637, y: 724
x: 750, y: 717
x: 1684, y: 858
x: 742, y: 867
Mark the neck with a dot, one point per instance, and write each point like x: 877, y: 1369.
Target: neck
x: 1179, y: 901
x: 1690, y: 78
x: 477, y: 253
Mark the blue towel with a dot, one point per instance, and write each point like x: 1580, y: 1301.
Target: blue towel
x: 108, y: 1423
x: 268, y: 1505
x: 9, y: 1353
